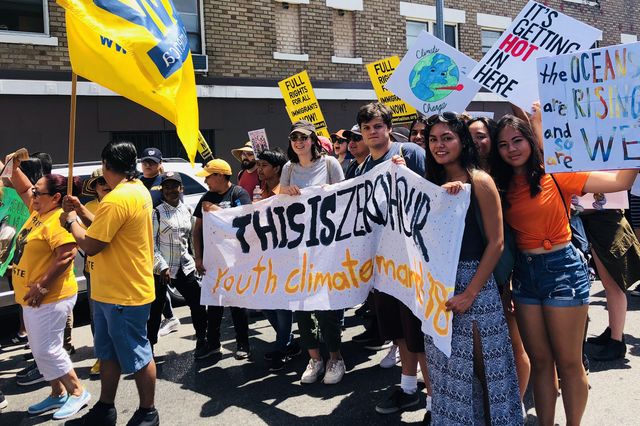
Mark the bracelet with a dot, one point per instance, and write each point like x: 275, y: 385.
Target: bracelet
x: 42, y: 290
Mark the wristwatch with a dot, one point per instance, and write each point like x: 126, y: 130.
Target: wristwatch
x: 67, y: 225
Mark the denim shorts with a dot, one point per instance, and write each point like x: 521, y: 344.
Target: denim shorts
x: 121, y: 335
x: 559, y: 278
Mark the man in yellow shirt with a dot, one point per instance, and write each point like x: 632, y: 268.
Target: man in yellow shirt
x: 120, y: 239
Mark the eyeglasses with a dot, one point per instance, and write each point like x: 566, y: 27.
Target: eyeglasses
x: 37, y: 193
x: 445, y: 117
x: 296, y: 138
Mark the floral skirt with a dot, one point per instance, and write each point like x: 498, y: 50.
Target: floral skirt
x: 457, y: 393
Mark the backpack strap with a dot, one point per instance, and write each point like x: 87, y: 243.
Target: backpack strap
x: 564, y: 204
x: 328, y: 167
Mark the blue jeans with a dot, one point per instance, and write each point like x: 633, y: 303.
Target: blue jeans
x: 281, y: 320
x: 558, y: 278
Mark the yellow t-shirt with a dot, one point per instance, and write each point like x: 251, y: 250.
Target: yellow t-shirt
x: 122, y: 272
x: 92, y: 206
x: 34, y: 253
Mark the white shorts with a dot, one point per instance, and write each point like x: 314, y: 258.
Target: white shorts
x: 45, y: 328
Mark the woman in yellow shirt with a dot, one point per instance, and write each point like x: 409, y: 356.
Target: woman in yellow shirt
x: 45, y: 286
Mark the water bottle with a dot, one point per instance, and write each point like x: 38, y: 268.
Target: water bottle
x: 257, y: 194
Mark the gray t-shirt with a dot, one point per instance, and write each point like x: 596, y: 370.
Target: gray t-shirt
x: 322, y: 171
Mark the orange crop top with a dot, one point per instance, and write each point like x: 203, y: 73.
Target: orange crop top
x: 541, y: 221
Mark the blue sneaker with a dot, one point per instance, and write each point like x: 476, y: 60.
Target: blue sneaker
x: 49, y: 403
x: 72, y: 406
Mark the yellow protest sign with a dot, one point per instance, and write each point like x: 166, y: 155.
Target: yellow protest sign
x: 301, y: 102
x: 379, y: 73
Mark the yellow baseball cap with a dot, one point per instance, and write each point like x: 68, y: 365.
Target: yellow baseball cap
x: 215, y: 166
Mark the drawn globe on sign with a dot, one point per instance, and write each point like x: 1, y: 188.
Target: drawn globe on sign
x: 434, y: 77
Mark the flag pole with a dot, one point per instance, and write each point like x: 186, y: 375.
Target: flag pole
x: 72, y: 132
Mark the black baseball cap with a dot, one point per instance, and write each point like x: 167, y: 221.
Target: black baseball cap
x: 175, y: 176
x: 152, y: 154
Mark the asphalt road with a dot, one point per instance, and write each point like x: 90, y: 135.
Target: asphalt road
x: 222, y: 390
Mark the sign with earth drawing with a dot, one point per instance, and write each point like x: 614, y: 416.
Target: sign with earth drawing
x: 432, y: 77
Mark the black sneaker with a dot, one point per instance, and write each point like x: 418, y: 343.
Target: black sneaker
x: 363, y: 311
x: 19, y: 340
x: 31, y: 378
x: 293, y: 350
x: 602, y: 339
x: 378, y: 345
x: 205, y: 349
x: 100, y: 414
x: 3, y: 402
x: 366, y: 336
x: 145, y: 418
x: 397, y: 401
x: 612, y: 350
x: 23, y: 373
x: 277, y: 361
x: 243, y: 351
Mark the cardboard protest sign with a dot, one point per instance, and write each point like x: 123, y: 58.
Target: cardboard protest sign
x: 590, y: 110
x: 379, y: 74
x: 301, y: 102
x: 600, y: 201
x: 389, y: 229
x: 259, y: 140
x: 509, y: 68
x: 432, y: 77
x: 13, y: 214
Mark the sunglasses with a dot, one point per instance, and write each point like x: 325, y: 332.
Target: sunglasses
x: 296, y: 138
x: 338, y: 139
x: 101, y: 181
x: 37, y: 193
x: 355, y: 138
x: 445, y: 117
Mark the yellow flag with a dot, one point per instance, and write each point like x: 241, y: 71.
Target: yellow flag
x: 140, y: 50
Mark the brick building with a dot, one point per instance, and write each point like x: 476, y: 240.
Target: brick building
x: 241, y: 50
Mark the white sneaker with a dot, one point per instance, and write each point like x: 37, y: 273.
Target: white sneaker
x: 335, y: 372
x: 314, y: 370
x: 391, y: 358
x: 168, y: 326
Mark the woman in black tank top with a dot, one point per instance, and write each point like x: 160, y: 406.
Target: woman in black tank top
x: 479, y: 326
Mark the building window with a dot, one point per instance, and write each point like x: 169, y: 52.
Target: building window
x: 189, y: 11
x: 414, y: 28
x: 488, y: 39
x: 287, y: 28
x: 25, y: 16
x: 344, y: 34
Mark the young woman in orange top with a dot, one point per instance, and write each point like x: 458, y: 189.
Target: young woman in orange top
x: 550, y: 281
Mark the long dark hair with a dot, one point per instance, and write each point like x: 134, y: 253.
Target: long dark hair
x: 468, y: 157
x: 120, y: 157
x: 57, y: 184
x: 316, y: 149
x: 502, y: 172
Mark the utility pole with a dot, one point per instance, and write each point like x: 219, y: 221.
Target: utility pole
x: 439, y: 30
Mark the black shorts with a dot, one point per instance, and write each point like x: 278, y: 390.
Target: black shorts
x: 396, y: 321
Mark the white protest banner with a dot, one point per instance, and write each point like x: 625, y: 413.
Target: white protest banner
x: 590, y: 109
x: 389, y: 229
x: 432, y: 77
x: 259, y: 140
x: 509, y: 67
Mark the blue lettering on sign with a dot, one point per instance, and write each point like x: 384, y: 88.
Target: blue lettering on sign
x: 173, y: 46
